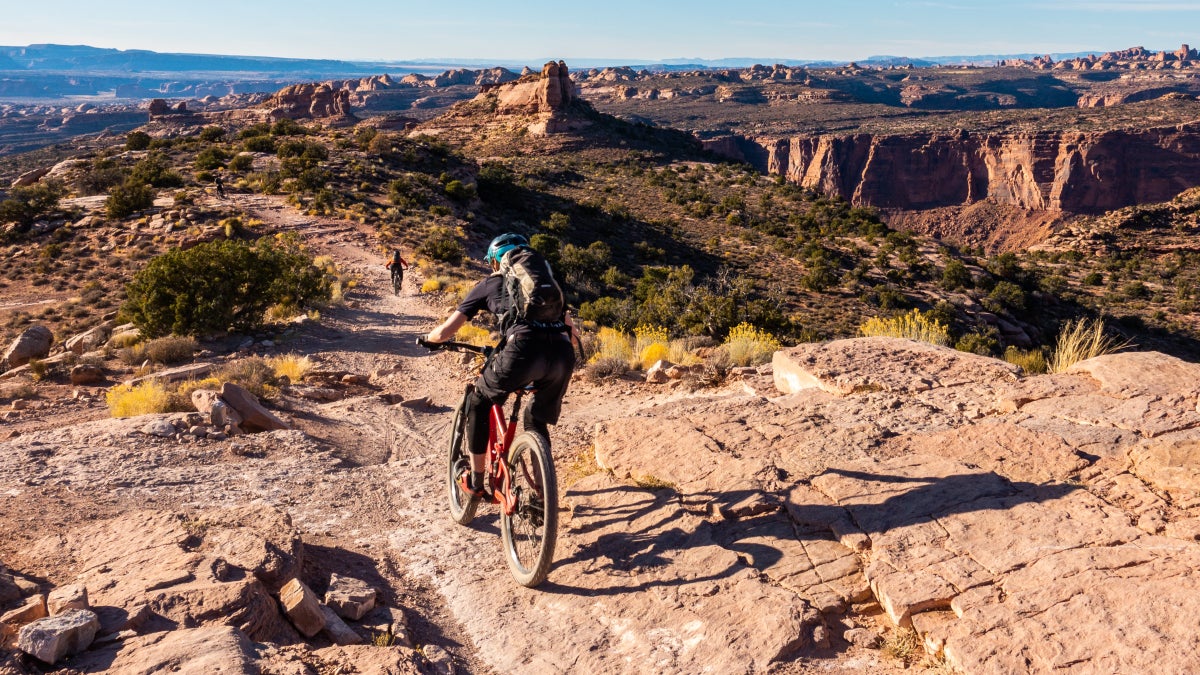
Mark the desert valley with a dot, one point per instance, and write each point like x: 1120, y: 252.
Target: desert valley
x: 885, y: 368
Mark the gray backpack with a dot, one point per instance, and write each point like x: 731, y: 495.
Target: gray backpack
x: 532, y: 294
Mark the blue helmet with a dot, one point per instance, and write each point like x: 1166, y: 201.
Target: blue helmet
x: 503, y: 244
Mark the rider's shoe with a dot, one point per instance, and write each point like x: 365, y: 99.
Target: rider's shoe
x: 464, y: 484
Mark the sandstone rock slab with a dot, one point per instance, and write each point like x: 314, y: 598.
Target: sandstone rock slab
x: 72, y: 596
x: 52, y: 638
x: 349, y: 598
x: 193, y: 651
x: 32, y: 610
x: 844, y: 367
x: 302, y: 607
x: 337, y: 630
x: 1131, y: 374
x: 254, y: 416
x: 86, y: 373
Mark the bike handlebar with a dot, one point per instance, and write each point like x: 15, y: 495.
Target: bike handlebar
x: 454, y: 347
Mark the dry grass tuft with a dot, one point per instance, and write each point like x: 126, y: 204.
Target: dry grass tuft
x: 1032, y: 361
x: 904, y: 645
x: 913, y: 326
x: 1081, y: 340
x: 293, y: 367
x: 140, y: 399
x: 476, y: 335
x: 749, y: 346
x: 612, y: 344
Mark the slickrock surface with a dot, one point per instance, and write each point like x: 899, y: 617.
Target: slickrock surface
x: 1033, y: 525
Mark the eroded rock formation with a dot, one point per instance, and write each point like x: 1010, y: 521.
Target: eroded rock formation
x: 1077, y: 172
x: 550, y: 91
x: 311, y: 101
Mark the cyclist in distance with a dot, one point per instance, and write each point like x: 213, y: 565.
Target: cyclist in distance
x: 530, y: 352
x: 397, y: 265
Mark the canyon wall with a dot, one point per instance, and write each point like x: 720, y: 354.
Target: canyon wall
x: 1076, y: 172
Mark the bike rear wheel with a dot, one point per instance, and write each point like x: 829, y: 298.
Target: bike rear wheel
x: 529, y: 534
x: 397, y: 281
x: 458, y: 462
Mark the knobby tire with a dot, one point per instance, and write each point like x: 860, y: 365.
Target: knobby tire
x: 462, y: 507
x: 529, y: 534
x: 397, y: 282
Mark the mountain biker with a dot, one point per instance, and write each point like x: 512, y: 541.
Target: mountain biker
x: 397, y: 265
x: 220, y: 183
x: 540, y: 354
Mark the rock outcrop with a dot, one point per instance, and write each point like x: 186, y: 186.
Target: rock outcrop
x: 1017, y: 524
x: 1076, y: 172
x: 311, y: 101
x: 550, y: 91
x: 33, y: 343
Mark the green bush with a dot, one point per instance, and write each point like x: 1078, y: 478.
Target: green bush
x: 153, y: 169
x: 241, y: 163
x: 211, y: 158
x: 26, y: 204
x: 259, y: 144
x: 137, y: 140
x: 443, y: 246
x: 459, y: 191
x: 212, y: 134
x: 955, y: 275
x: 287, y: 127
x: 221, y: 285
x: 100, y: 177
x: 128, y: 198
x: 255, y: 130
x: 1005, y: 296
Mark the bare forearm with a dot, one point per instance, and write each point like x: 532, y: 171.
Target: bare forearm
x: 447, y: 330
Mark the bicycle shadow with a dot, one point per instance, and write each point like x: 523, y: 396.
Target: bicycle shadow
x: 628, y: 539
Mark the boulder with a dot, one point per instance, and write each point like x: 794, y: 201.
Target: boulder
x: 222, y: 416
x: 159, y: 427
x: 657, y: 373
x: 86, y: 373
x: 302, y: 608
x: 337, y: 630
x: 349, y: 598
x: 33, y: 343
x: 74, y: 596
x: 254, y: 416
x: 31, y: 611
x: 30, y: 177
x: 89, y: 340
x: 52, y: 638
x: 204, y: 399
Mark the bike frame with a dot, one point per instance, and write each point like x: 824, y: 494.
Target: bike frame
x: 501, y: 434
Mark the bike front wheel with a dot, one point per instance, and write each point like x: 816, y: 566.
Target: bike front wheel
x: 531, y: 531
x: 458, y: 463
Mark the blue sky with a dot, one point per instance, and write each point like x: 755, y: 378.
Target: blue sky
x: 615, y: 29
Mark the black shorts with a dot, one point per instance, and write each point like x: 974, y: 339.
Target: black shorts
x: 545, y: 359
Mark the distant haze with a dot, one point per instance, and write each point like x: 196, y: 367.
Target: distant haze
x: 614, y: 31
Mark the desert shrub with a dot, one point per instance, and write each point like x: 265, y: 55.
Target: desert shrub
x: 100, y: 177
x: 210, y: 159
x: 221, y: 285
x: 170, y: 349
x: 241, y: 163
x: 25, y: 205
x: 955, y: 275
x: 1032, y: 361
x: 749, y: 346
x: 913, y: 325
x: 557, y: 223
x: 128, y: 198
x: 613, y: 344
x: 407, y: 192
x: 306, y: 150
x: 291, y: 366
x: 1005, y: 296
x: 154, y: 170
x: 433, y: 284
x: 496, y: 184
x: 254, y: 374
x: 982, y: 343
x: 212, y: 134
x: 259, y: 144
x: 287, y: 127
x: 606, y: 368
x: 682, y: 351
x: 650, y: 345
x: 137, y: 140
x: 140, y: 399
x: 476, y: 335
x: 1080, y: 340
x: 1093, y: 279
x: 442, y: 245
x: 459, y: 191
x: 904, y: 645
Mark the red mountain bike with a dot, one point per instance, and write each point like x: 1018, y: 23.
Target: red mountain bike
x: 519, y: 476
